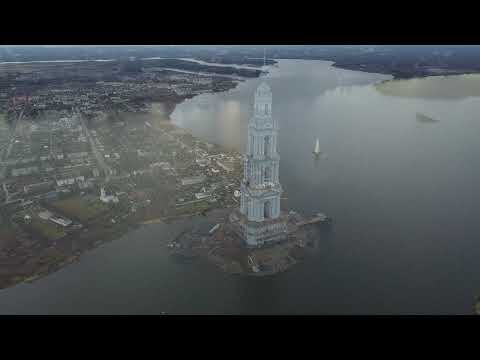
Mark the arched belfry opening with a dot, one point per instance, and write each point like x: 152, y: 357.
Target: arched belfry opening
x: 266, y: 146
x: 267, y: 209
x: 267, y: 174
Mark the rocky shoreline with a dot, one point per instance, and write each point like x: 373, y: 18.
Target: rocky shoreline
x: 216, y: 243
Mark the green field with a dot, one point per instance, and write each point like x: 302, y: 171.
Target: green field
x: 3, y: 121
x: 80, y: 208
x: 193, y: 208
x: 7, y: 236
x: 46, y: 229
x: 39, y: 227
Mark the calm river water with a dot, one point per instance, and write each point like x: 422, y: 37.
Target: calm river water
x: 403, y: 194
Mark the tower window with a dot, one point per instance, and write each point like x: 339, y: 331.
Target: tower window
x: 266, y: 146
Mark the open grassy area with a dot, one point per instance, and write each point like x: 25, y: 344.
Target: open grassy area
x: 193, y: 208
x: 3, y: 121
x: 84, y: 209
x: 7, y: 237
x: 38, y: 227
x: 46, y: 229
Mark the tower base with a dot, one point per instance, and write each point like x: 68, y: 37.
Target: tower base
x: 258, y: 234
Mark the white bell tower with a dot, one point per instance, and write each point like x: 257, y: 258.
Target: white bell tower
x: 260, y: 189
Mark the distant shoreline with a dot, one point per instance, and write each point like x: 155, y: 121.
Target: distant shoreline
x: 422, y: 73
x: 227, y: 67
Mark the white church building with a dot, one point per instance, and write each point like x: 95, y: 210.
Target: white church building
x: 107, y: 198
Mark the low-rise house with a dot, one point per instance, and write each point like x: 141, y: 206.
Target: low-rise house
x: 38, y: 187
x: 24, y: 171
x: 76, y: 155
x: 70, y: 180
x: 193, y: 180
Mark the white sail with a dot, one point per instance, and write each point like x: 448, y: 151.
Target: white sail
x: 317, y: 147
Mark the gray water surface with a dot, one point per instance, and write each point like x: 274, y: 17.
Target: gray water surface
x: 403, y: 195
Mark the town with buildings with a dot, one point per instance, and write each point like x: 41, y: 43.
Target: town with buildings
x: 85, y: 160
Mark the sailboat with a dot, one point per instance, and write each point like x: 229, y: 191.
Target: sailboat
x: 317, y: 151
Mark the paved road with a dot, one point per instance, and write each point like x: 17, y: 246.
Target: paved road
x: 96, y: 152
x: 6, y: 152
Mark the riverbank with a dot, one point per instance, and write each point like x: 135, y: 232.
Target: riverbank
x: 52, y: 259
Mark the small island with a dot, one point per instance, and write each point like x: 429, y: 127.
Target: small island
x: 217, y: 242
x: 422, y: 118
x: 258, y: 238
